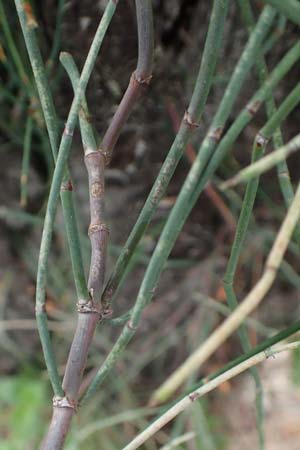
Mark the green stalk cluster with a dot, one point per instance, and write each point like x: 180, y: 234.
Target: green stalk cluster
x: 183, y: 204
x: 186, y: 131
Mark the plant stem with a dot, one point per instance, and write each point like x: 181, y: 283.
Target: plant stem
x: 57, y: 35
x: 178, y: 213
x: 264, y: 164
x: 188, y: 125
x: 209, y: 386
x: 88, y: 311
x: 12, y: 46
x: 25, y: 163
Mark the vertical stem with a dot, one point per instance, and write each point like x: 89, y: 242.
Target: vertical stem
x: 25, y: 163
x: 139, y: 80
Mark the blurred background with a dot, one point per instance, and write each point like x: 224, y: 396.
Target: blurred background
x: 190, y: 301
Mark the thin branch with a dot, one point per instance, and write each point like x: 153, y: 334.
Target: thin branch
x: 26, y: 163
x: 189, y: 399
x: 264, y: 164
x: 259, y: 146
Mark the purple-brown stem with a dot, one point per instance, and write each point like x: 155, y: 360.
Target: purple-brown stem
x: 88, y: 310
x: 133, y: 92
x: 139, y: 80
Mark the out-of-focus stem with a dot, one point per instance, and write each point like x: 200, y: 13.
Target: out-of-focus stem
x: 25, y: 163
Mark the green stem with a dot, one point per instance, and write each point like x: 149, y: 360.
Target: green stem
x: 57, y: 34
x: 86, y: 129
x: 25, y: 162
x: 266, y: 163
x: 12, y: 46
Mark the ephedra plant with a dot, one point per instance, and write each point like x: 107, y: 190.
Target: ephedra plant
x: 97, y: 294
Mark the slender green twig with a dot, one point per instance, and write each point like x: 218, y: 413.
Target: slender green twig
x: 207, y: 387
x: 25, y: 162
x: 193, y: 187
x: 178, y: 214
x: 264, y: 164
x: 188, y: 125
x: 282, y: 168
